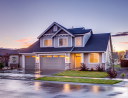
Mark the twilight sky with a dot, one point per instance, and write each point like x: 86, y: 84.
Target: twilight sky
x: 21, y: 21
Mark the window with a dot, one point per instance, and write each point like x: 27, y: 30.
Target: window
x: 33, y: 56
x: 55, y: 55
x: 54, y: 28
x: 61, y: 55
x: 14, y: 59
x: 63, y: 42
x: 42, y: 56
x: 47, y: 42
x: 94, y: 58
x: 49, y: 55
x: 78, y: 41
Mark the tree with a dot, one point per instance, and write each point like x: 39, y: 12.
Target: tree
x: 121, y: 55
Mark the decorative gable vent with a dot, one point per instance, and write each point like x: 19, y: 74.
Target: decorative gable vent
x: 54, y: 28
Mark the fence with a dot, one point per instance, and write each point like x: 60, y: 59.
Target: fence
x: 124, y: 63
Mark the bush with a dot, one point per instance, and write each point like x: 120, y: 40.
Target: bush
x: 1, y: 65
x: 84, y: 68
x: 111, y: 73
x: 99, y: 68
x: 122, y: 75
x: 92, y: 69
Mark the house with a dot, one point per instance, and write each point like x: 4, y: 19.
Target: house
x: 126, y: 55
x: 13, y: 56
x: 63, y: 49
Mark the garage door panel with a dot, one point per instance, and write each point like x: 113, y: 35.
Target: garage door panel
x: 29, y: 62
x: 52, y: 63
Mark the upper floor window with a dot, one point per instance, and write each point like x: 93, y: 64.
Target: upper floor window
x: 47, y: 42
x: 78, y: 41
x: 94, y: 58
x: 54, y: 28
x: 62, y: 41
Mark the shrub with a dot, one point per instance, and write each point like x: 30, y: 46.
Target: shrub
x: 99, y: 68
x: 92, y: 69
x: 111, y: 73
x: 1, y: 65
x: 122, y: 75
x: 84, y: 68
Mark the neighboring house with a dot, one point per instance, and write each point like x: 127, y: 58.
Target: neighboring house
x: 116, y: 59
x: 126, y: 55
x: 13, y: 55
x: 61, y: 48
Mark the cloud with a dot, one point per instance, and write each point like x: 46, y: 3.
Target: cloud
x: 120, y: 34
x: 26, y: 44
x: 8, y: 37
x: 123, y: 42
x: 21, y: 40
x: 30, y: 37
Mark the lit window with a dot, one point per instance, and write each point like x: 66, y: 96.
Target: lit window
x: 54, y: 28
x: 55, y: 55
x: 27, y: 56
x: 94, y: 58
x: 63, y: 42
x: 42, y: 56
x: 61, y: 55
x: 49, y: 55
x: 78, y: 41
x: 47, y: 42
x: 33, y: 56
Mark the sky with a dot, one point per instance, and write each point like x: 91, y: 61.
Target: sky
x: 22, y: 21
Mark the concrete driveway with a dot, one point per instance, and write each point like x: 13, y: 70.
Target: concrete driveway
x: 35, y: 89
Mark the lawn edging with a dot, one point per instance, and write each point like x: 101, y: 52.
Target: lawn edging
x: 79, y: 80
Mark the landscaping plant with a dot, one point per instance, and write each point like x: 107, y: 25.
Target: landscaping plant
x: 84, y: 68
x: 122, y: 75
x: 112, y: 73
x: 1, y: 66
x: 92, y: 69
x: 99, y: 68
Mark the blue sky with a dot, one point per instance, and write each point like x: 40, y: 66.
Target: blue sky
x: 21, y: 21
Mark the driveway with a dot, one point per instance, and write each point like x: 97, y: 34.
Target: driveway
x: 34, y: 89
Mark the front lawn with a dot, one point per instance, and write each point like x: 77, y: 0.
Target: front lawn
x: 93, y: 74
x: 117, y: 65
x: 79, y: 80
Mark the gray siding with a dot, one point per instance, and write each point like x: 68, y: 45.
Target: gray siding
x: 50, y: 31
x: 52, y: 63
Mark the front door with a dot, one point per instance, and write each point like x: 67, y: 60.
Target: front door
x: 78, y: 60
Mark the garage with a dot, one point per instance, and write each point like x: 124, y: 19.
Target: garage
x: 29, y: 62
x: 52, y: 62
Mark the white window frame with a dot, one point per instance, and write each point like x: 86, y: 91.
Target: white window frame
x: 47, y: 39
x: 89, y: 58
x: 81, y: 42
x: 61, y: 38
x: 12, y: 59
x: 54, y: 28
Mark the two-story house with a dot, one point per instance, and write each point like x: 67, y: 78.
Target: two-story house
x: 61, y: 48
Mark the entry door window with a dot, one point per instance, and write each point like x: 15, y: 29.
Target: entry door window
x: 78, y: 60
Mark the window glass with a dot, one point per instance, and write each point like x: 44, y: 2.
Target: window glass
x: 42, y: 56
x: 94, y: 58
x: 49, y: 55
x: 27, y: 56
x: 13, y: 59
x: 47, y: 42
x: 78, y: 41
x: 61, y: 55
x: 63, y: 42
x: 55, y: 55
x: 33, y: 56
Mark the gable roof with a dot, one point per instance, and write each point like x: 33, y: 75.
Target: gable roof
x: 79, y: 30
x: 97, y: 42
x: 54, y: 23
x: 9, y: 51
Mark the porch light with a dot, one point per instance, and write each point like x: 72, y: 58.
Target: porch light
x: 67, y: 59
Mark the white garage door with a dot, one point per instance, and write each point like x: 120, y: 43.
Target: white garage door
x: 30, y: 62
x: 52, y: 62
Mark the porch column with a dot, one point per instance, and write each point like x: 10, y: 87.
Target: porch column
x: 67, y: 61
x: 37, y: 62
x: 82, y: 59
x: 104, y: 61
x: 23, y: 61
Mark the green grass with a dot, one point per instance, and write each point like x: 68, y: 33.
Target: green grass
x: 117, y: 65
x: 93, y: 74
x: 78, y: 80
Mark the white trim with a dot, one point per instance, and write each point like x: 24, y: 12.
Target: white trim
x: 89, y: 58
x: 23, y: 61
x: 81, y: 42
x: 61, y: 38
x: 52, y: 52
x: 71, y: 41
x: 47, y: 39
x: 56, y: 33
x: 87, y: 51
x: 55, y: 28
